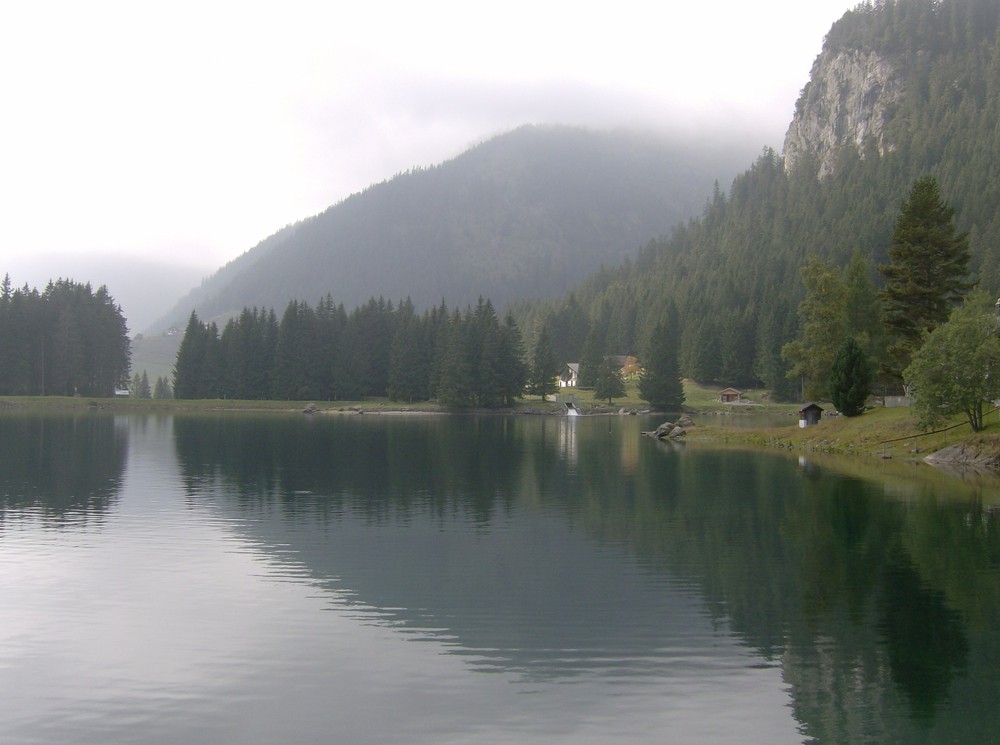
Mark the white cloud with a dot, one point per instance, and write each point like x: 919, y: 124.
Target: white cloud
x: 189, y: 131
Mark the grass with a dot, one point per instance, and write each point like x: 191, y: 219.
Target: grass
x: 879, y: 432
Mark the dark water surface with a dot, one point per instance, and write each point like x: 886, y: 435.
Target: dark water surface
x: 433, y: 579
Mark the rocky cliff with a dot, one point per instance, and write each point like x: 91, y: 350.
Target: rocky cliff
x: 850, y: 97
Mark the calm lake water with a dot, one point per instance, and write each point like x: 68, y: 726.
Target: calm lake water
x: 432, y: 579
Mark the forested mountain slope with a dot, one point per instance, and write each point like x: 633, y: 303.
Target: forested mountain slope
x: 527, y: 214
x: 901, y: 90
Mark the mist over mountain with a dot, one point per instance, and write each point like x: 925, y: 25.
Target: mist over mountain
x: 525, y: 215
x: 900, y: 90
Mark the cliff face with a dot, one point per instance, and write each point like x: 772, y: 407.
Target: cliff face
x: 849, y: 98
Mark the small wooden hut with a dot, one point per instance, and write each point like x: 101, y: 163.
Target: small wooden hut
x: 810, y: 415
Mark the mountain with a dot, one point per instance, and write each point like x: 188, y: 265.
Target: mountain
x: 527, y: 214
x: 901, y: 89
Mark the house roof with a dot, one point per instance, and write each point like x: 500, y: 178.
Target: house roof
x: 729, y: 390
x: 810, y: 407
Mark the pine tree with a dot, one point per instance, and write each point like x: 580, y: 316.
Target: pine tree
x: 514, y: 370
x: 456, y: 385
x: 190, y: 360
x: 408, y: 364
x: 850, y: 378
x: 609, y: 381
x: 161, y: 389
x: 544, y: 366
x: 591, y: 358
x: 928, y: 271
x: 660, y: 383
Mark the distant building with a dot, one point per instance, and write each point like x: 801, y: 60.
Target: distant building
x: 730, y: 396
x: 810, y: 415
x: 570, y: 375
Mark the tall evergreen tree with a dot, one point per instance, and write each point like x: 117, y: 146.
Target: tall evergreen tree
x: 514, y: 371
x: 544, y: 366
x: 927, y: 273
x: 161, y: 389
x: 591, y: 358
x: 190, y: 360
x: 660, y: 383
x: 140, y: 386
x: 850, y: 378
x: 409, y: 368
x: 67, y: 361
x: 295, y: 372
x: 456, y: 379
x: 609, y: 381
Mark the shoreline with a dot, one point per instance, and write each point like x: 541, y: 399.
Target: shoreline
x: 879, y: 433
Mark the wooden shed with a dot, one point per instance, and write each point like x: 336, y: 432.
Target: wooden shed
x: 810, y: 414
x: 730, y: 395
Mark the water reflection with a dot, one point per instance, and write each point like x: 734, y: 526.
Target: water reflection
x: 66, y: 466
x: 383, y: 507
x: 879, y: 611
x: 254, y: 578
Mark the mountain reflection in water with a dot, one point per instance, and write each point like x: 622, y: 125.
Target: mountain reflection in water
x: 611, y: 585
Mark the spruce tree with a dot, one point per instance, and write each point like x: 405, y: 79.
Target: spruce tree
x: 190, y: 360
x: 609, y: 381
x: 407, y: 361
x: 514, y: 369
x: 161, y: 390
x: 591, y: 358
x: 544, y: 366
x: 927, y: 274
x: 660, y: 383
x: 850, y: 378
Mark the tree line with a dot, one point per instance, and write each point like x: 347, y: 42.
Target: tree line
x: 461, y: 358
x: 67, y: 340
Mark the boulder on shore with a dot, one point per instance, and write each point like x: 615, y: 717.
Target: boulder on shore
x: 671, y: 429
x: 965, y: 455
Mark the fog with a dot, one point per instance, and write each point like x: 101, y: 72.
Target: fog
x: 182, y: 135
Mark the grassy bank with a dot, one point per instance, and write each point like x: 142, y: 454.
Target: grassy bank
x: 881, y: 433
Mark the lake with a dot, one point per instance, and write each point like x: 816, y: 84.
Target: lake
x: 243, y: 578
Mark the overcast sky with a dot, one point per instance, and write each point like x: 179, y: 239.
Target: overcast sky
x: 185, y: 132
